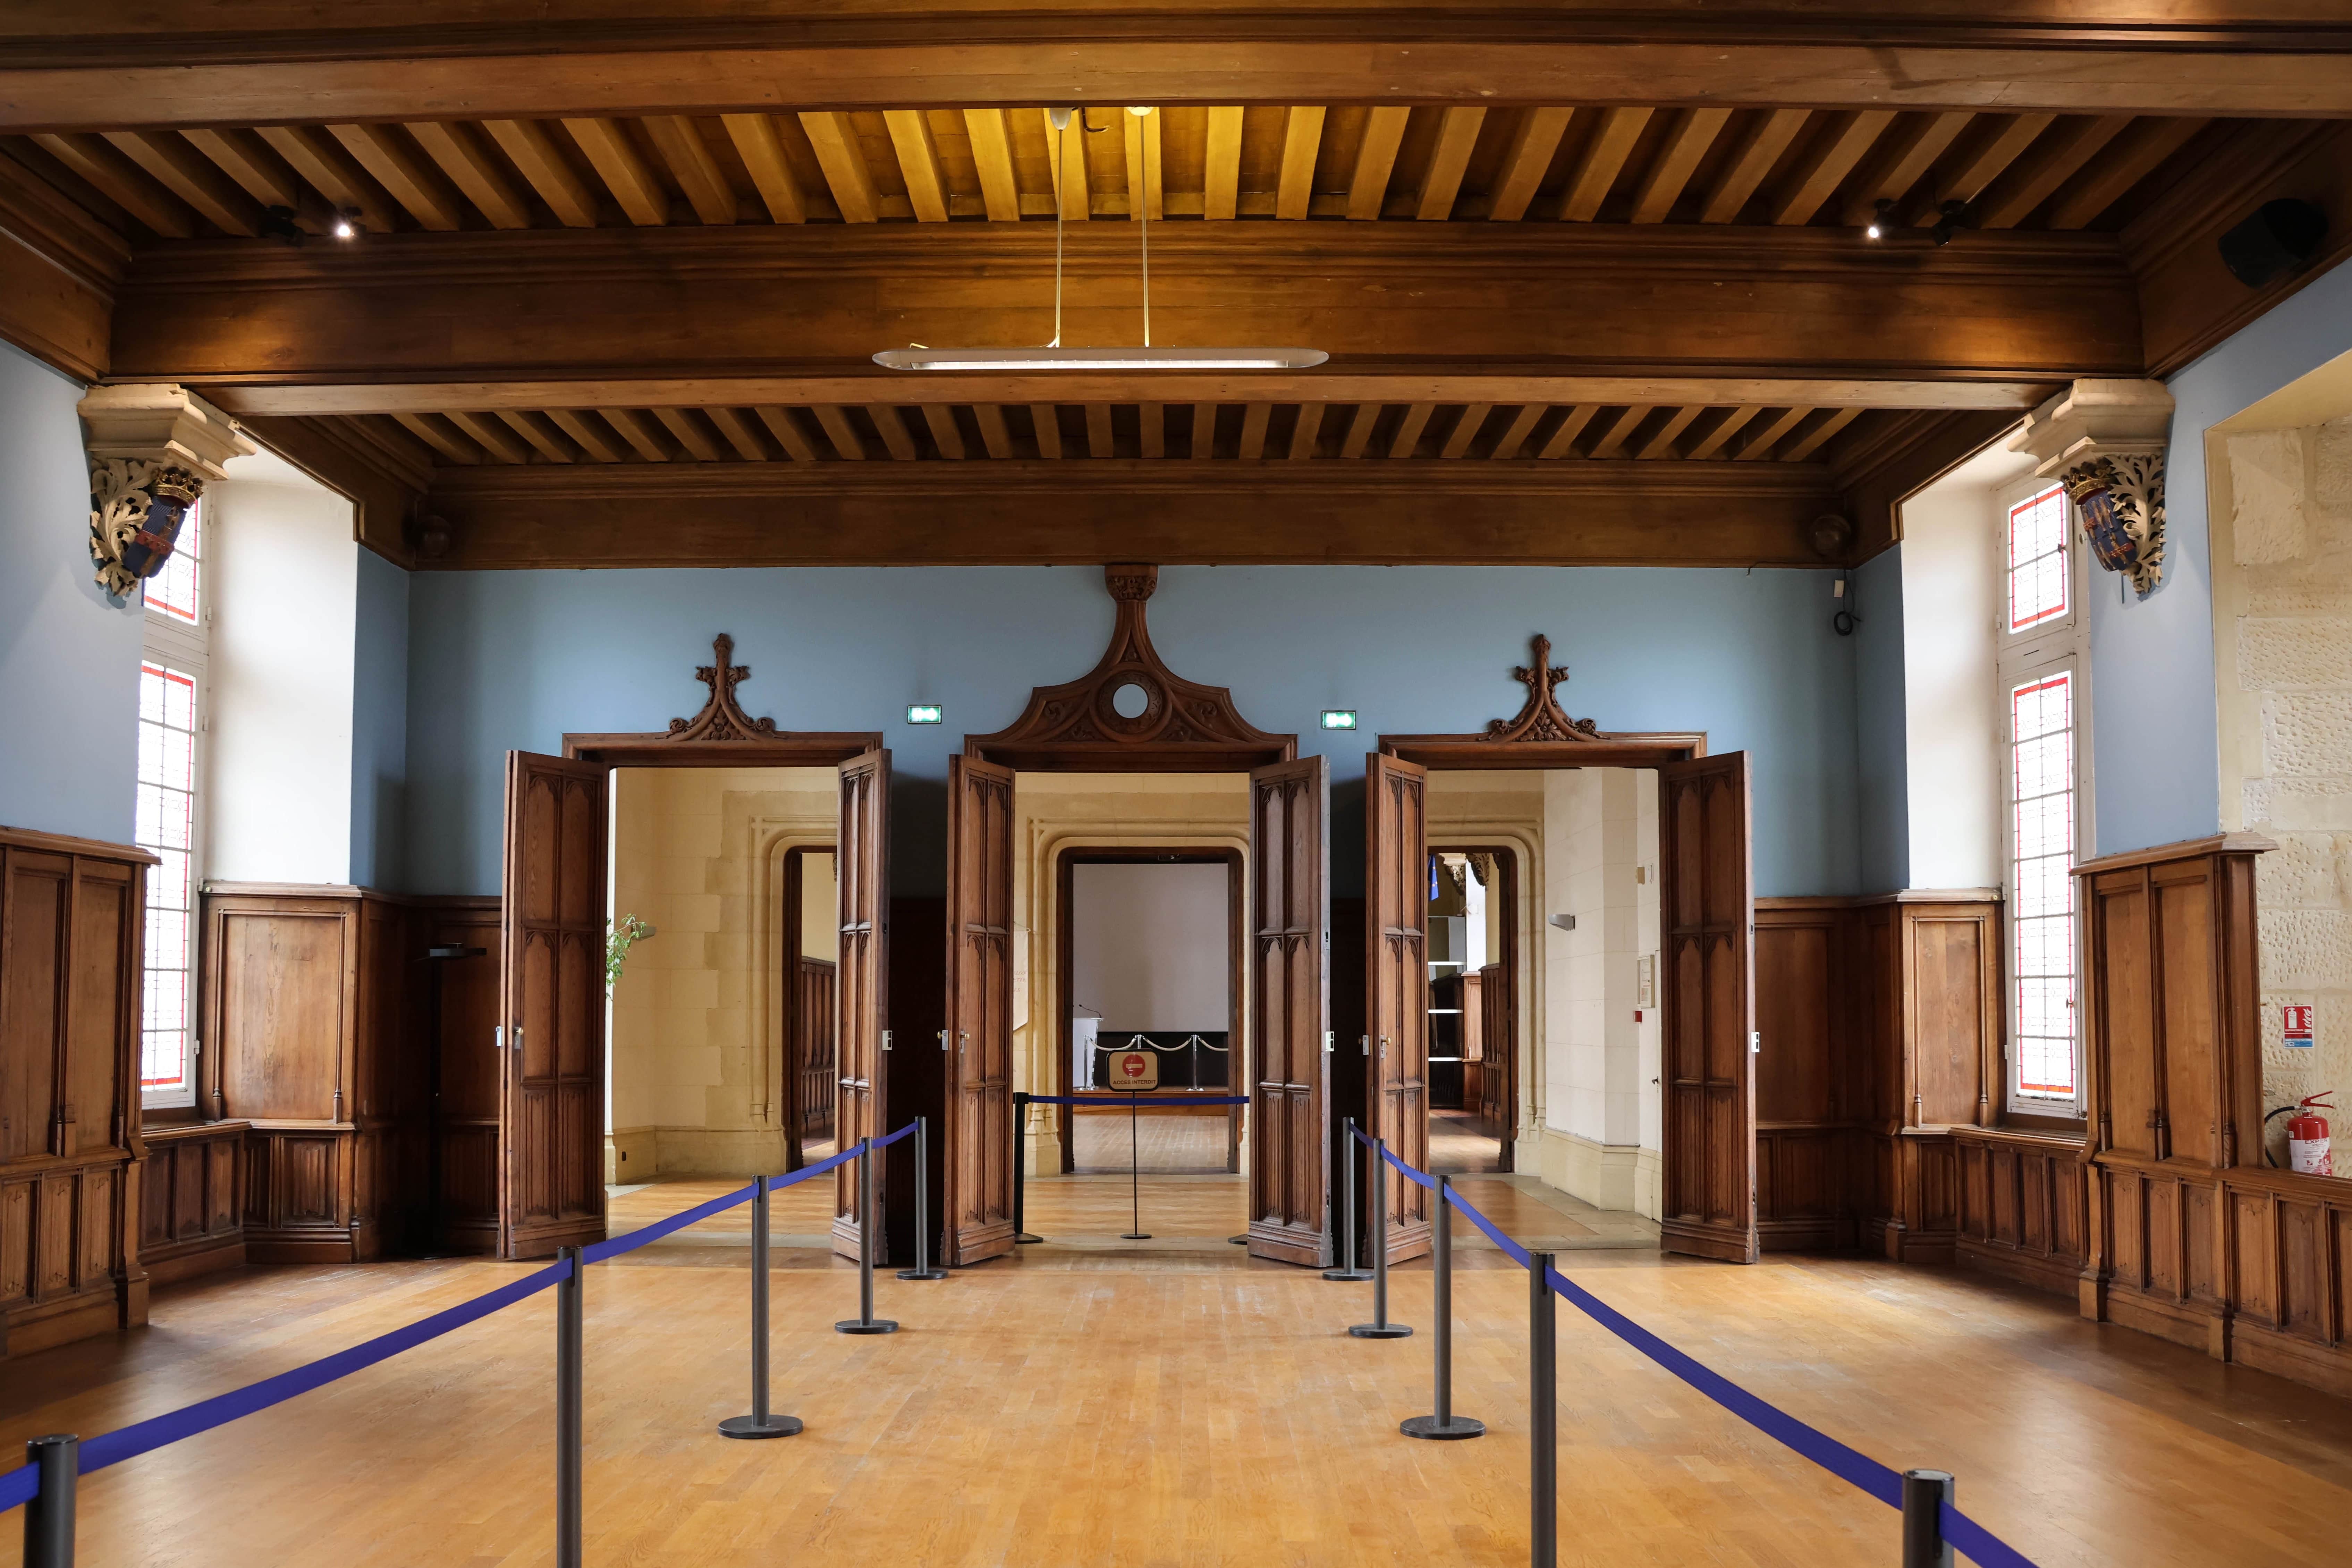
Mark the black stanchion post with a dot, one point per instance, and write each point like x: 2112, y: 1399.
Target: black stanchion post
x: 570, y: 1331
x: 1021, y: 1103
x: 1135, y: 1231
x: 1444, y: 1425
x: 869, y: 1221
x: 1543, y: 1415
x: 1380, y: 1328
x: 50, y: 1517
x: 922, y: 1269
x: 760, y: 1423
x: 1923, y: 1494
x: 1348, y: 1261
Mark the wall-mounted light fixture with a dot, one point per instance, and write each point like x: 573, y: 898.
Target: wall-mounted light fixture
x: 925, y: 712
x: 1338, y: 718
x: 347, y: 225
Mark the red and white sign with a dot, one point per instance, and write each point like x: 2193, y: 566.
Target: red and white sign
x: 1134, y: 1070
x: 2296, y: 1018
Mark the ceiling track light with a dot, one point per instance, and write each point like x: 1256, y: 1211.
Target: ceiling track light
x: 1053, y: 356
x: 348, y: 223
x: 1951, y: 216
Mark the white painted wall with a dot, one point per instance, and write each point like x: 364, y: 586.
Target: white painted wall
x: 1149, y: 944
x: 283, y: 575
x: 1952, y: 588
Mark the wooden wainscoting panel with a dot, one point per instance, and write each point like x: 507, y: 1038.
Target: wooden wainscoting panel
x: 71, y: 933
x: 191, y: 1221
x: 1808, y: 1143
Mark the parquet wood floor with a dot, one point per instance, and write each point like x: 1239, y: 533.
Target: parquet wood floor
x: 1154, y: 1413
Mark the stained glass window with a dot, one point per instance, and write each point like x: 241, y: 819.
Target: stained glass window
x: 2041, y: 889
x: 167, y: 824
x: 2037, y: 560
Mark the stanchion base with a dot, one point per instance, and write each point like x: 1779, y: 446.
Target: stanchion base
x: 1025, y: 1239
x: 1135, y: 1235
x: 1380, y: 1331
x: 1444, y: 1431
x: 1351, y: 1274
x: 922, y: 1274
x: 865, y: 1326
x: 753, y: 1427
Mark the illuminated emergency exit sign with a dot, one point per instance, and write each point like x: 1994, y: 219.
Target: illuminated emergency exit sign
x: 2296, y: 1018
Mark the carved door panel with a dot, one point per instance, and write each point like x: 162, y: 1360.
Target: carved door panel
x: 551, y: 1007
x: 1498, y: 1093
x: 1290, y: 1009
x: 861, y: 975
x: 978, y: 1036
x: 1708, y: 989
x: 1396, y: 980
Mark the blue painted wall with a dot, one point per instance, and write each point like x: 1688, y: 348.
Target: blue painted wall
x: 1883, y: 832
x: 68, y: 656
x: 502, y: 660
x: 2155, y: 731
x: 379, y: 722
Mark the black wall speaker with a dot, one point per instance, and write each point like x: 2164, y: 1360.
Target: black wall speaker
x: 2281, y: 237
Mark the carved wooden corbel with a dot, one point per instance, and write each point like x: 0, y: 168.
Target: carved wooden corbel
x: 152, y: 449
x: 2104, y: 441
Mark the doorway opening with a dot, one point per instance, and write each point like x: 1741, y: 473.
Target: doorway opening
x: 1473, y: 1028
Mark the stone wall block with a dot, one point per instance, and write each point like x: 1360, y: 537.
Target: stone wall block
x: 2309, y: 734
x: 2276, y: 653
x: 2306, y: 949
x: 2332, y: 484
x: 2267, y: 496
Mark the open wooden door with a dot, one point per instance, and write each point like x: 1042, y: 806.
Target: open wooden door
x: 861, y: 975
x: 978, y: 1036
x: 1290, y: 1008
x: 1707, y: 924
x: 551, y: 1007
x: 1498, y: 1099
x: 1396, y: 989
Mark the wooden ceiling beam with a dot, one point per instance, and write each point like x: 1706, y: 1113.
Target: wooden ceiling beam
x: 758, y: 143
x: 413, y: 182
x: 535, y: 429
x: 1603, y: 159
x: 1843, y: 144
x: 531, y: 149
x: 1203, y: 444
x: 1693, y: 132
x: 175, y: 165
x: 2136, y: 154
x: 1306, y: 432
x: 1758, y: 150
x: 596, y: 438
x: 1221, y: 192
x: 439, y: 434
x: 1457, y: 134
x: 71, y: 65
x: 464, y: 154
x: 1407, y: 439
x: 256, y: 168
x: 691, y: 438
x: 1045, y: 429
x: 322, y: 159
x: 493, y: 435
x: 992, y: 154
x: 1032, y: 512
x: 1376, y: 154
x: 1514, y: 438
x: 123, y: 182
x: 1099, y: 441
x: 995, y: 434
x: 1896, y: 164
x: 834, y: 142
x: 1996, y: 145
x: 1465, y: 430
x: 786, y: 429
x: 2037, y: 176
x: 632, y: 427
x: 679, y: 141
x: 1711, y: 439
x: 1673, y: 303
x: 1526, y: 158
x: 623, y: 170
x: 1147, y: 191
x: 1561, y: 442
x: 1302, y: 141
x: 919, y: 163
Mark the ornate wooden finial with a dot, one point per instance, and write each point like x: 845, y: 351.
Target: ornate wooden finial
x: 1542, y: 719
x: 1130, y: 582
x: 722, y: 718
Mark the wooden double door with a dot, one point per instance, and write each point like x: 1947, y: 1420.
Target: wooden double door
x: 1287, y: 1026
x: 1707, y: 1000
x: 551, y: 1040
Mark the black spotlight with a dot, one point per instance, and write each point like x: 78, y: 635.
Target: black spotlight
x: 278, y: 223
x: 2279, y: 238
x: 1949, y: 216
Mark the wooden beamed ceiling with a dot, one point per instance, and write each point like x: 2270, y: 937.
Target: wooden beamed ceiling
x: 1779, y: 167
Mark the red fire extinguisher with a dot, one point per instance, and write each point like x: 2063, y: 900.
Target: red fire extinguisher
x: 2306, y: 1137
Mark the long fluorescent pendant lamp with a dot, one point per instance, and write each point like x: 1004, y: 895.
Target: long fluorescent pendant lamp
x: 1100, y: 359
x: 1054, y: 356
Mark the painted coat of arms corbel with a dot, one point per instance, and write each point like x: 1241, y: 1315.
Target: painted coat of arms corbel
x: 152, y: 449
x: 2104, y: 441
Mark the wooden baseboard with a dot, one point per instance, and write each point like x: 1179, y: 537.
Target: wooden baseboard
x: 2265, y: 1348
x: 2197, y: 1324
x: 1285, y: 1243
x: 1700, y: 1241
x: 43, y: 1325
x: 189, y: 1260
x: 2059, y: 1276
x: 1809, y: 1233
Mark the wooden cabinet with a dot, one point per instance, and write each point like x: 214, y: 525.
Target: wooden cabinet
x: 71, y: 924
x: 307, y: 998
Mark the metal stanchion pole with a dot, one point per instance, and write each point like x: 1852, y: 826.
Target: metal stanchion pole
x: 1135, y: 1231
x: 1020, y: 1169
x: 1380, y: 1328
x: 1349, y: 1263
x: 1543, y: 1413
x: 50, y: 1517
x: 868, y: 1222
x: 570, y: 1331
x: 1923, y: 1494
x: 760, y: 1423
x: 922, y: 1269
x: 1444, y: 1425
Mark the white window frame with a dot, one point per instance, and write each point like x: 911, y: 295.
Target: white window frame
x: 2060, y: 645
x: 176, y: 645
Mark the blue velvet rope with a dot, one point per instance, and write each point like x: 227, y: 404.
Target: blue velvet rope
x: 1850, y: 1465
x: 22, y: 1485
x: 1109, y: 1097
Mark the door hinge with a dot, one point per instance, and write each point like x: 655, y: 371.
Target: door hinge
x: 886, y: 1039
x: 943, y: 1039
x: 1327, y: 1040
x: 1755, y: 1042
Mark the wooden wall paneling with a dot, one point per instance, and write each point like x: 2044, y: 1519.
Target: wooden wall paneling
x: 861, y: 1092
x: 977, y: 1040
x: 1289, y: 1033
x: 1806, y: 1134
x: 462, y: 1071
x: 550, y: 1107
x: 813, y: 1059
x: 1396, y: 999
x: 71, y: 931
x: 1707, y: 986
x: 193, y: 1213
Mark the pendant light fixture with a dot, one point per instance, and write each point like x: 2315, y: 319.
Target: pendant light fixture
x: 1053, y: 356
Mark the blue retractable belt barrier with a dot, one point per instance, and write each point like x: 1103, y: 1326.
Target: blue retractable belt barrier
x: 1112, y: 1097
x: 1848, y: 1464
x: 22, y: 1485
